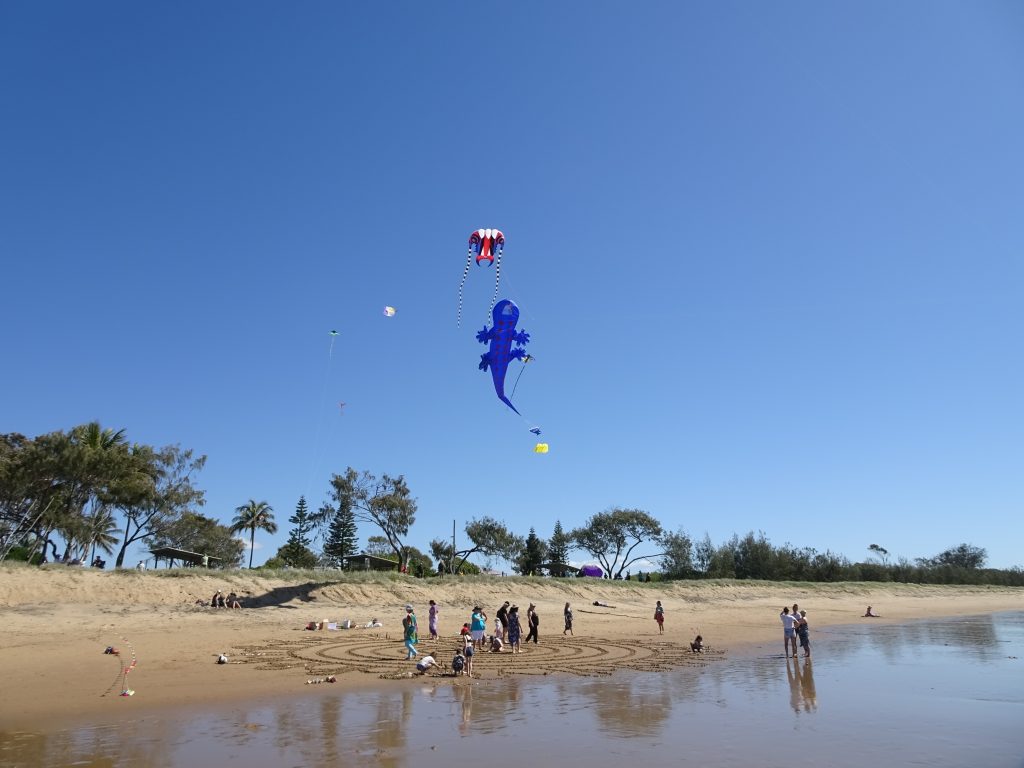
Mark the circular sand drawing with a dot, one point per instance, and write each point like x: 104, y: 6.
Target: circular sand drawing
x: 376, y: 653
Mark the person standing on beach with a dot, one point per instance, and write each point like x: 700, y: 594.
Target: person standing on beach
x: 789, y: 623
x: 567, y: 614
x: 803, y: 631
x: 468, y: 652
x: 659, y: 616
x: 432, y: 620
x: 409, y: 627
x: 477, y: 626
x: 534, y: 621
x: 515, y: 630
x: 502, y: 620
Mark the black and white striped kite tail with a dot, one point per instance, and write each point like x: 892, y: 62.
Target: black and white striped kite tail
x: 497, y: 279
x: 465, y: 273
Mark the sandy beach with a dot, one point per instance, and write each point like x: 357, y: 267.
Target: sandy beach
x: 58, y: 620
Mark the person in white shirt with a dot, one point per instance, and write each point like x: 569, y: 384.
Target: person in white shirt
x: 789, y: 623
x: 426, y: 663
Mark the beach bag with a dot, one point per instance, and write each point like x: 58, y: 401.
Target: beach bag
x: 458, y: 663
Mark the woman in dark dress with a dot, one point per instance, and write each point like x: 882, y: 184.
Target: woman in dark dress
x: 514, y: 628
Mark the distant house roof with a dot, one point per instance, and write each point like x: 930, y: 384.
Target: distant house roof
x: 170, y: 553
x: 369, y: 562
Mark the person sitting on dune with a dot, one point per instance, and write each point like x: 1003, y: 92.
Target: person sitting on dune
x: 869, y: 615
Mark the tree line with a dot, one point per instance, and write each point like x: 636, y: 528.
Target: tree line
x: 70, y: 494
x: 619, y: 539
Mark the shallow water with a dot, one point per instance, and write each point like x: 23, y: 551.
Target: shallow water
x: 931, y: 693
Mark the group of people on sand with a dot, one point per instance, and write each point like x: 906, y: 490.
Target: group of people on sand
x: 482, y: 634
x: 794, y: 627
x: 506, y: 629
x: 220, y: 601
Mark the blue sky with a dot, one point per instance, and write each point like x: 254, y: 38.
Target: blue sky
x: 769, y: 256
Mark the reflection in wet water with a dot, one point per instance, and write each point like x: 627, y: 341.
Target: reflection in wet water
x: 802, y: 695
x: 975, y: 636
x: 938, y: 693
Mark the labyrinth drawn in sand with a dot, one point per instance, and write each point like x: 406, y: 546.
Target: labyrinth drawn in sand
x: 374, y: 653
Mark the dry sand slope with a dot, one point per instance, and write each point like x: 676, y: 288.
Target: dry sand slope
x: 57, y: 621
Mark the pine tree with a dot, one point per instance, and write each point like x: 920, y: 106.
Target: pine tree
x: 532, y: 557
x: 299, y: 534
x: 294, y: 555
x: 342, y: 537
x: 558, y: 550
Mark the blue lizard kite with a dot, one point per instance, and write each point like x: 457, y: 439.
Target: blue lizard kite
x: 501, y: 337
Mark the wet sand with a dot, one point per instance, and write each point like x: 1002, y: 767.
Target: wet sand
x: 58, y: 620
x: 938, y: 692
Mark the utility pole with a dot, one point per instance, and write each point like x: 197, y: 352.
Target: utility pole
x: 451, y: 568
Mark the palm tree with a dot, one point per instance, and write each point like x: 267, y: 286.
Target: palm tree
x: 94, y: 436
x: 92, y: 462
x: 101, y: 532
x: 255, y: 514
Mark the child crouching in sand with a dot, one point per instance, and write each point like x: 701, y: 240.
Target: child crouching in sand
x: 459, y: 663
x: 697, y: 646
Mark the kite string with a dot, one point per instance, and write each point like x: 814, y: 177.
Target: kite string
x: 117, y: 678
x: 531, y: 424
x: 521, y: 369
x: 318, y: 450
x: 514, y: 294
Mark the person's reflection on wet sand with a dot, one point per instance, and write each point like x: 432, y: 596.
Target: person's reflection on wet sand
x: 802, y: 694
x: 513, y: 686
x: 464, y: 694
x: 793, y: 676
x: 807, y: 687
